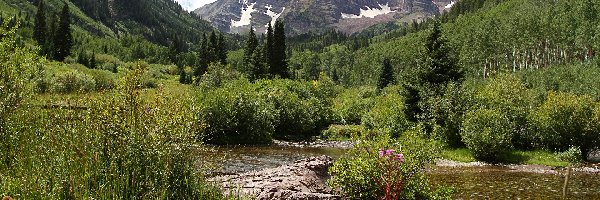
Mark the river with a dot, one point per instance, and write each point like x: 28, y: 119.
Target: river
x: 473, y: 182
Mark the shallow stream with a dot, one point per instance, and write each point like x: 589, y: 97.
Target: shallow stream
x: 480, y: 182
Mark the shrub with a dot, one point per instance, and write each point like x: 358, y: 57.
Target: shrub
x: 344, y: 132
x: 352, y: 104
x: 296, y: 111
x: 507, y: 94
x: 487, y: 133
x: 104, y: 80
x: 565, y: 120
x: 447, y: 113
x: 217, y: 75
x: 72, y: 81
x: 387, y: 115
x: 236, y: 114
x: 357, y: 173
x: 572, y: 155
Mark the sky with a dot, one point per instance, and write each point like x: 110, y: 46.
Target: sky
x: 190, y: 5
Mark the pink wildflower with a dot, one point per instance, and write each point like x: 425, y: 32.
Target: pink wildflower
x: 381, y: 153
x: 399, y: 157
x: 389, y: 152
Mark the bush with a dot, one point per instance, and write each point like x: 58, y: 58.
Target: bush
x: 565, y: 120
x: 236, y: 114
x: 358, y: 172
x: 387, y: 115
x: 352, y: 104
x: 507, y: 94
x: 72, y: 81
x: 487, y: 133
x: 104, y: 80
x: 296, y: 110
x: 572, y: 155
x: 217, y: 75
x: 344, y: 132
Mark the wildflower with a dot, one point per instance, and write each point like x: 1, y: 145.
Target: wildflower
x: 381, y: 153
x: 399, y: 157
x: 389, y: 152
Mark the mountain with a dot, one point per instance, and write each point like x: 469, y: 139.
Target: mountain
x: 158, y: 21
x: 302, y: 16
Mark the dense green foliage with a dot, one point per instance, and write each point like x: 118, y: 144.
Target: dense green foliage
x: 487, y: 133
x: 108, y: 146
x: 566, y: 120
x: 236, y: 114
x: 357, y: 171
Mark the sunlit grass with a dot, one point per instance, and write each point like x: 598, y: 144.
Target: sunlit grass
x: 536, y: 157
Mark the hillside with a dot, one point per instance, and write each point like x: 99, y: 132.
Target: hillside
x: 158, y: 21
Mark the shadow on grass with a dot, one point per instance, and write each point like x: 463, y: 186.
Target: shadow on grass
x: 513, y: 157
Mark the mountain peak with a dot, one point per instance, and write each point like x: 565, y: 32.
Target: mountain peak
x: 302, y: 16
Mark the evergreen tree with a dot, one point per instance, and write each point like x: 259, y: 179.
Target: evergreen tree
x: 82, y: 58
x: 269, y: 47
x: 334, y: 76
x: 182, y: 76
x: 258, y: 68
x: 279, y: 57
x: 387, y: 75
x: 251, y: 47
x: 93, y: 61
x: 222, y: 50
x: 203, y: 60
x: 412, y: 109
x: 63, y: 39
x: 213, y: 46
x: 441, y: 65
x: 40, y: 29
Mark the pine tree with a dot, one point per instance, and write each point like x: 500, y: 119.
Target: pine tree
x: 93, y: 60
x: 441, y: 67
x: 222, y: 50
x: 387, y: 75
x: 203, y: 61
x: 251, y: 46
x: 63, y: 39
x: 182, y: 76
x: 258, y: 68
x: 269, y: 47
x: 40, y: 29
x: 82, y: 58
x: 280, y: 65
x: 412, y: 97
x: 213, y: 46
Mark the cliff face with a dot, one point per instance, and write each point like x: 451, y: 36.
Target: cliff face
x: 302, y: 16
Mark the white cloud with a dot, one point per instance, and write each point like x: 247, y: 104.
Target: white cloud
x: 190, y: 5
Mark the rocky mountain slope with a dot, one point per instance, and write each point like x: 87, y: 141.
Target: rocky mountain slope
x: 302, y: 16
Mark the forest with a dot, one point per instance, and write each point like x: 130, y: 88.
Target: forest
x: 117, y: 106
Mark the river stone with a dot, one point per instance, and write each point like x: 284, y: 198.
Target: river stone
x: 303, y: 179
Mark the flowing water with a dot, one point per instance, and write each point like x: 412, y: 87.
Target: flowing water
x: 484, y: 182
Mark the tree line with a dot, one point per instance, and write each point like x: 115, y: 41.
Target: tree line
x: 55, y: 38
x: 267, y: 58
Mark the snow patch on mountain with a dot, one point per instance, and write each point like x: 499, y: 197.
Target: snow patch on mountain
x: 370, y: 12
x: 450, y: 4
x: 274, y: 16
x: 246, y: 16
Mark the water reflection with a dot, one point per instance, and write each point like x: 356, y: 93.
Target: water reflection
x: 502, y: 183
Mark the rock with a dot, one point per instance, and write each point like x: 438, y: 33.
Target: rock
x: 303, y: 179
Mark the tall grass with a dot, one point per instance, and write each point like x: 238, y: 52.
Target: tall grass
x: 116, y: 145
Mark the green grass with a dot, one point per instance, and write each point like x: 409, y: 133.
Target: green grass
x: 537, y: 157
x: 460, y: 155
